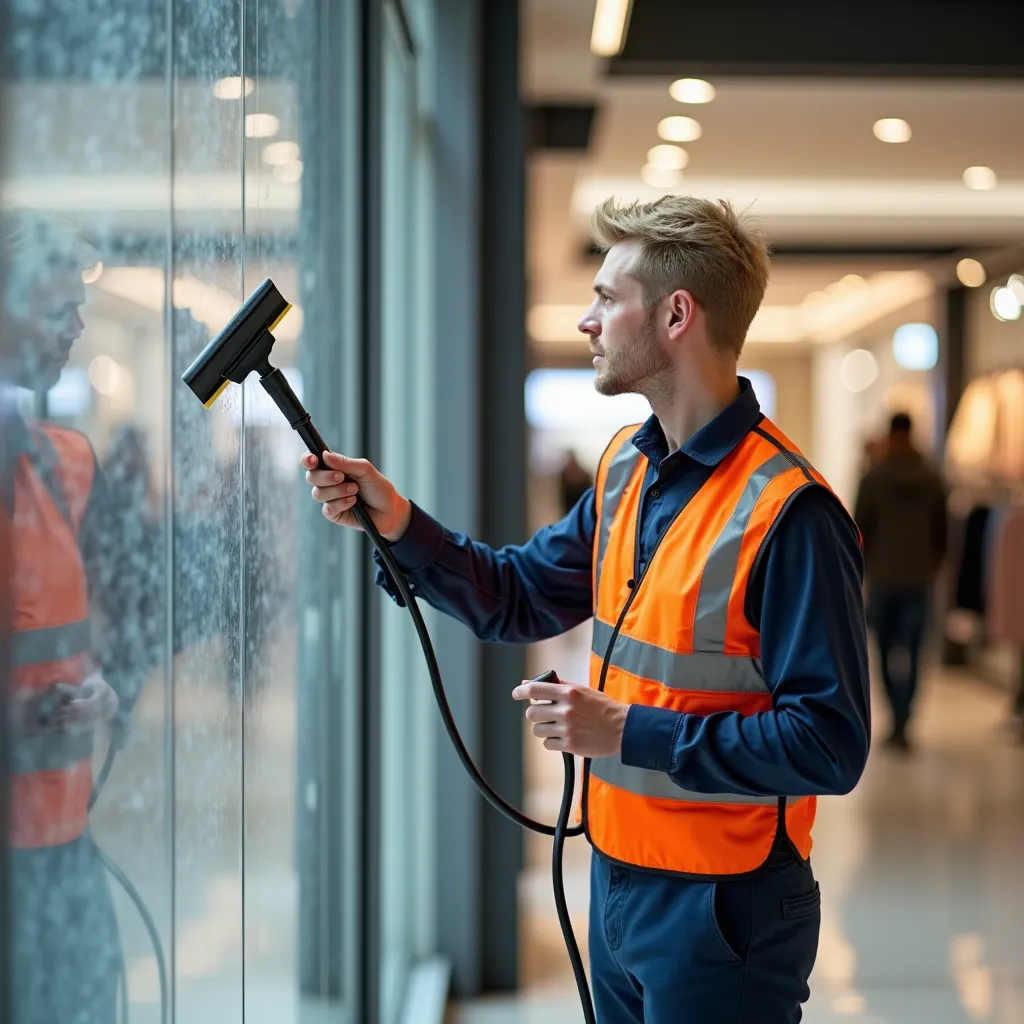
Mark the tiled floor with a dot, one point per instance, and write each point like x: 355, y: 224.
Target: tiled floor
x: 922, y: 876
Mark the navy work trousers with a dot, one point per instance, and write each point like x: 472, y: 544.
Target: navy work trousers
x: 667, y: 950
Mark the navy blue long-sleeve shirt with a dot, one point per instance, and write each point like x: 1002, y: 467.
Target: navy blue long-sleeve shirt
x: 805, y: 599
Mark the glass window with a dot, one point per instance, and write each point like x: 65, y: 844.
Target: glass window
x: 183, y: 841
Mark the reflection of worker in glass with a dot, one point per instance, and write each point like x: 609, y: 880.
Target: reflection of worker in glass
x: 901, y: 511
x: 573, y: 481
x: 728, y: 685
x: 64, y: 933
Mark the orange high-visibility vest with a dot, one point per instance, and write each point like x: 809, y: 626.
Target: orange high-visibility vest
x: 676, y: 636
x: 50, y: 635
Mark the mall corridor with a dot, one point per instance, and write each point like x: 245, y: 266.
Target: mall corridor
x: 920, y: 872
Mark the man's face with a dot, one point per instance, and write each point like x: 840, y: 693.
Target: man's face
x: 44, y: 323
x: 628, y: 355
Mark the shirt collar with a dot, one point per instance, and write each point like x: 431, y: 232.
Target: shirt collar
x: 714, y: 441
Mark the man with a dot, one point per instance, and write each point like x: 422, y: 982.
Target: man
x: 728, y: 683
x: 901, y: 512
x: 64, y: 932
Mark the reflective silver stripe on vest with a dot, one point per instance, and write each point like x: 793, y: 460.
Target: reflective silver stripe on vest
x: 698, y: 671
x: 620, y: 470
x: 642, y: 782
x: 50, y: 751
x: 55, y: 643
x: 711, y: 619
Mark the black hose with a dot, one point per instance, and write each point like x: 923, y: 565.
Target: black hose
x: 302, y: 423
x: 561, y: 829
x: 495, y: 800
x: 558, y: 883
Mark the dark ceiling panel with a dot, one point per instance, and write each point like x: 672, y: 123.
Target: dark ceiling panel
x: 561, y: 125
x: 902, y: 38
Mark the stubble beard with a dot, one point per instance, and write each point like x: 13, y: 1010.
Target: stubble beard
x: 642, y: 366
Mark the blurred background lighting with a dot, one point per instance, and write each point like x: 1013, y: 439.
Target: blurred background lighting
x: 915, y: 346
x: 970, y: 273
x: 892, y: 129
x: 981, y: 179
x: 691, y: 90
x: 858, y: 370
x: 679, y: 129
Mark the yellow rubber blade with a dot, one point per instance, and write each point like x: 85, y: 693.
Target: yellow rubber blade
x: 284, y: 313
x: 216, y: 394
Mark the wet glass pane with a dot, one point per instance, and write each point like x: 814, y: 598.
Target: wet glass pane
x: 87, y: 190
x: 173, y: 589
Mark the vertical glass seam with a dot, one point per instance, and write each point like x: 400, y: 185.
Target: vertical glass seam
x: 243, y: 567
x: 170, y: 710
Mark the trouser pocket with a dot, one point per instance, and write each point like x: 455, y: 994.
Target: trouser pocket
x: 796, y: 907
x: 730, y: 908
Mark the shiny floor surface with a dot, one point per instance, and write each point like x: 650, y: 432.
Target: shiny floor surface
x: 922, y: 878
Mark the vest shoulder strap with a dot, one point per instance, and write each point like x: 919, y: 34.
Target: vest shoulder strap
x: 617, y: 446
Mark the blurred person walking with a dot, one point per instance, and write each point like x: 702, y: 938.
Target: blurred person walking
x: 901, y: 512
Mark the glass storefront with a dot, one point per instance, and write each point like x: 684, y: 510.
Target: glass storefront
x: 160, y: 160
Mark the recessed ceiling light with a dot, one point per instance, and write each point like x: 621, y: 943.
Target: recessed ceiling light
x: 277, y: 154
x: 1005, y: 305
x: 691, y: 90
x: 970, y: 273
x: 892, y: 129
x: 609, y: 28
x: 230, y: 88
x: 679, y: 129
x: 660, y: 177
x: 858, y: 370
x: 261, y: 126
x: 673, y: 158
x: 981, y: 179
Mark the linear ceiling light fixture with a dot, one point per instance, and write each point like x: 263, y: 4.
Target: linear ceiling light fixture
x: 609, y: 32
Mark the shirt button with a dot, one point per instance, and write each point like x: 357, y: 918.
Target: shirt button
x: 655, y: 493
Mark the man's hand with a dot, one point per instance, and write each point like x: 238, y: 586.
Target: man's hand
x: 337, y: 486
x: 581, y: 720
x: 97, y: 702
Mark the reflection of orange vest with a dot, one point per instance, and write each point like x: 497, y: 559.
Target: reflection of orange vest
x: 676, y: 636
x: 49, y: 634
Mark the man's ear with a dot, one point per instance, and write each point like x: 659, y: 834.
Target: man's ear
x: 681, y: 310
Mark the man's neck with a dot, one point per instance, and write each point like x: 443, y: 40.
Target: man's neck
x: 693, y: 403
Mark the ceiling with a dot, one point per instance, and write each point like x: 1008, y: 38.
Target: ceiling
x: 798, y: 152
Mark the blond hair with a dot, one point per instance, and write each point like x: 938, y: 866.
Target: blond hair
x: 699, y: 245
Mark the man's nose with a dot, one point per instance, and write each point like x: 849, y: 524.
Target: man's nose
x: 589, y: 325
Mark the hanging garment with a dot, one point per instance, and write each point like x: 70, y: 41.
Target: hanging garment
x: 1005, y: 592
x: 1008, y: 450
x: 970, y: 583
